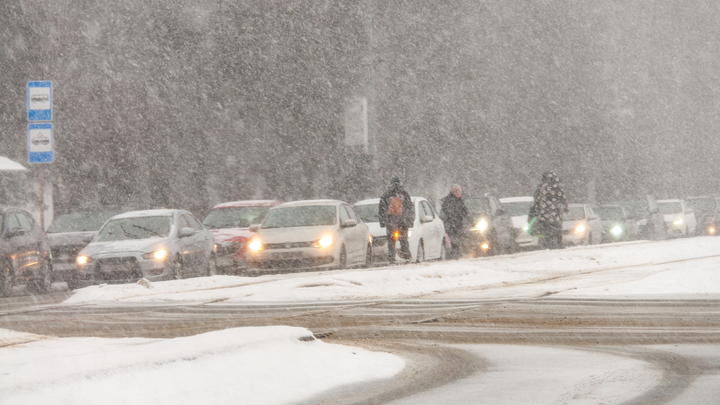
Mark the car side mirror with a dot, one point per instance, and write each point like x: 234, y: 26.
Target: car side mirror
x: 348, y: 223
x: 185, y: 232
x: 254, y: 227
x: 426, y: 218
x: 88, y: 238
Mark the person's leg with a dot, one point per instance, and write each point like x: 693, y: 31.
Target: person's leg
x: 404, y: 244
x: 390, y: 244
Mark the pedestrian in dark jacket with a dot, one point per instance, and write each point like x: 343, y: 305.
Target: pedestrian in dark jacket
x: 397, y: 214
x: 550, y: 204
x: 455, y: 215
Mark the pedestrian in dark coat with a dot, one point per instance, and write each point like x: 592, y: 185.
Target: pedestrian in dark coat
x: 550, y: 204
x: 455, y: 215
x: 397, y: 214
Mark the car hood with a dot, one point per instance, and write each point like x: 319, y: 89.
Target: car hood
x: 226, y: 235
x: 295, y: 234
x: 375, y: 229
x: 120, y: 246
x: 69, y: 238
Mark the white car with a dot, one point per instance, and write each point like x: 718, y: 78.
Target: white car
x: 679, y: 217
x: 518, y: 209
x: 310, y: 234
x: 151, y: 244
x: 426, y: 238
x: 581, y: 226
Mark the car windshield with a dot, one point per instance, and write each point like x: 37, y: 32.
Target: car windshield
x: 314, y: 215
x: 135, y: 228
x: 702, y: 205
x: 478, y: 205
x: 610, y: 213
x: 670, y: 208
x: 574, y: 214
x: 518, y: 208
x: 368, y: 212
x: 80, y: 222
x: 235, y: 217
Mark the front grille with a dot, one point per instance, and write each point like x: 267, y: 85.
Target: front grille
x: 118, y: 269
x: 229, y: 249
x: 288, y: 245
x: 567, y: 231
x: 293, y: 263
x: 65, y: 253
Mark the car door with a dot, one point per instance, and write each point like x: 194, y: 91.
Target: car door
x: 353, y: 234
x: 204, y: 241
x: 432, y: 230
x: 24, y: 253
x: 594, y: 224
x: 502, y: 223
x: 690, y: 217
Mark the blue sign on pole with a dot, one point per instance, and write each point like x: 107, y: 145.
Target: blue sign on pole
x: 40, y: 143
x: 39, y: 100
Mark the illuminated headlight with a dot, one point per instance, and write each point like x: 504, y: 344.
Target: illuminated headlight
x: 158, y: 255
x: 83, y: 260
x: 255, y: 245
x: 482, y: 225
x: 580, y: 229
x: 409, y: 233
x: 711, y: 230
x: 326, y: 241
x: 370, y: 238
x: 485, y: 246
x: 525, y: 228
x: 616, y: 230
x: 678, y: 222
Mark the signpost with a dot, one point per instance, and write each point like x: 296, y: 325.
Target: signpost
x: 40, y: 132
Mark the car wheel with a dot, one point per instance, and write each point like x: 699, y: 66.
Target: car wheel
x: 177, y: 267
x: 342, y: 260
x: 420, y: 253
x: 212, y: 267
x: 443, y: 252
x: 368, y: 256
x: 7, y: 281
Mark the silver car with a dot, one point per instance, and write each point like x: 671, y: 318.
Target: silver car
x: 153, y: 244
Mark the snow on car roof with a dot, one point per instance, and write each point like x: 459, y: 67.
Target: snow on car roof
x: 147, y: 213
x: 672, y: 200
x: 248, y: 203
x: 311, y: 202
x: 368, y: 201
x: 516, y: 199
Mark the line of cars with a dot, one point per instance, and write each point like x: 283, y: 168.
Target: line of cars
x: 85, y: 248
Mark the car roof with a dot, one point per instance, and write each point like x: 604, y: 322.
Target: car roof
x: 516, y: 199
x: 576, y: 205
x: 148, y: 213
x: 368, y: 201
x: 307, y: 203
x: 248, y: 203
x: 668, y: 200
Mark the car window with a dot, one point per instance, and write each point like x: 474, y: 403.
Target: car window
x: 343, y: 214
x: 610, y: 213
x: 313, y: 215
x: 25, y: 222
x: 135, y: 228
x: 670, y: 208
x: 80, y: 221
x: 368, y: 212
x: 192, y: 222
x: 427, y: 209
x: 12, y: 222
x: 183, y: 222
x: 235, y: 217
x: 350, y: 212
x: 574, y: 214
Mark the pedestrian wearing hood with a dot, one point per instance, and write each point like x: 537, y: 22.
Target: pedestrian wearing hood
x: 550, y: 204
x: 397, y: 214
x: 455, y: 215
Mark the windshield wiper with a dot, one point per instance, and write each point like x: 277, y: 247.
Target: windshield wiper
x: 147, y: 230
x: 129, y: 235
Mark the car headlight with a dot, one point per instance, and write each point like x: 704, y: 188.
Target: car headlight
x: 580, y: 229
x: 616, y: 230
x: 711, y: 230
x: 83, y: 260
x: 158, y: 255
x: 255, y: 245
x: 482, y: 225
x: 409, y: 233
x: 324, y: 242
x: 525, y: 228
x: 678, y: 222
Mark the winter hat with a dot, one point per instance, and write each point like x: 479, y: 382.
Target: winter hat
x: 395, y: 180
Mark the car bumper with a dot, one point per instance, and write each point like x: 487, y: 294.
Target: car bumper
x: 293, y: 258
x: 124, y: 269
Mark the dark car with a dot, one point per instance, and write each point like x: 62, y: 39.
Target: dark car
x: 618, y: 223
x: 707, y: 213
x: 491, y: 230
x: 650, y: 220
x: 25, y: 251
x: 68, y: 234
x: 230, y: 224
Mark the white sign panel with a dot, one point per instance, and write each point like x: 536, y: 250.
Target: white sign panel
x: 39, y: 101
x: 40, y: 143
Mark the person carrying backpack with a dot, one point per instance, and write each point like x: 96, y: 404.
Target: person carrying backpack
x: 397, y: 214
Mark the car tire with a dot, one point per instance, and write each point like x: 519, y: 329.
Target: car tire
x: 7, y: 280
x: 342, y: 260
x: 212, y: 266
x: 420, y: 253
x: 368, y: 256
x: 177, y: 267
